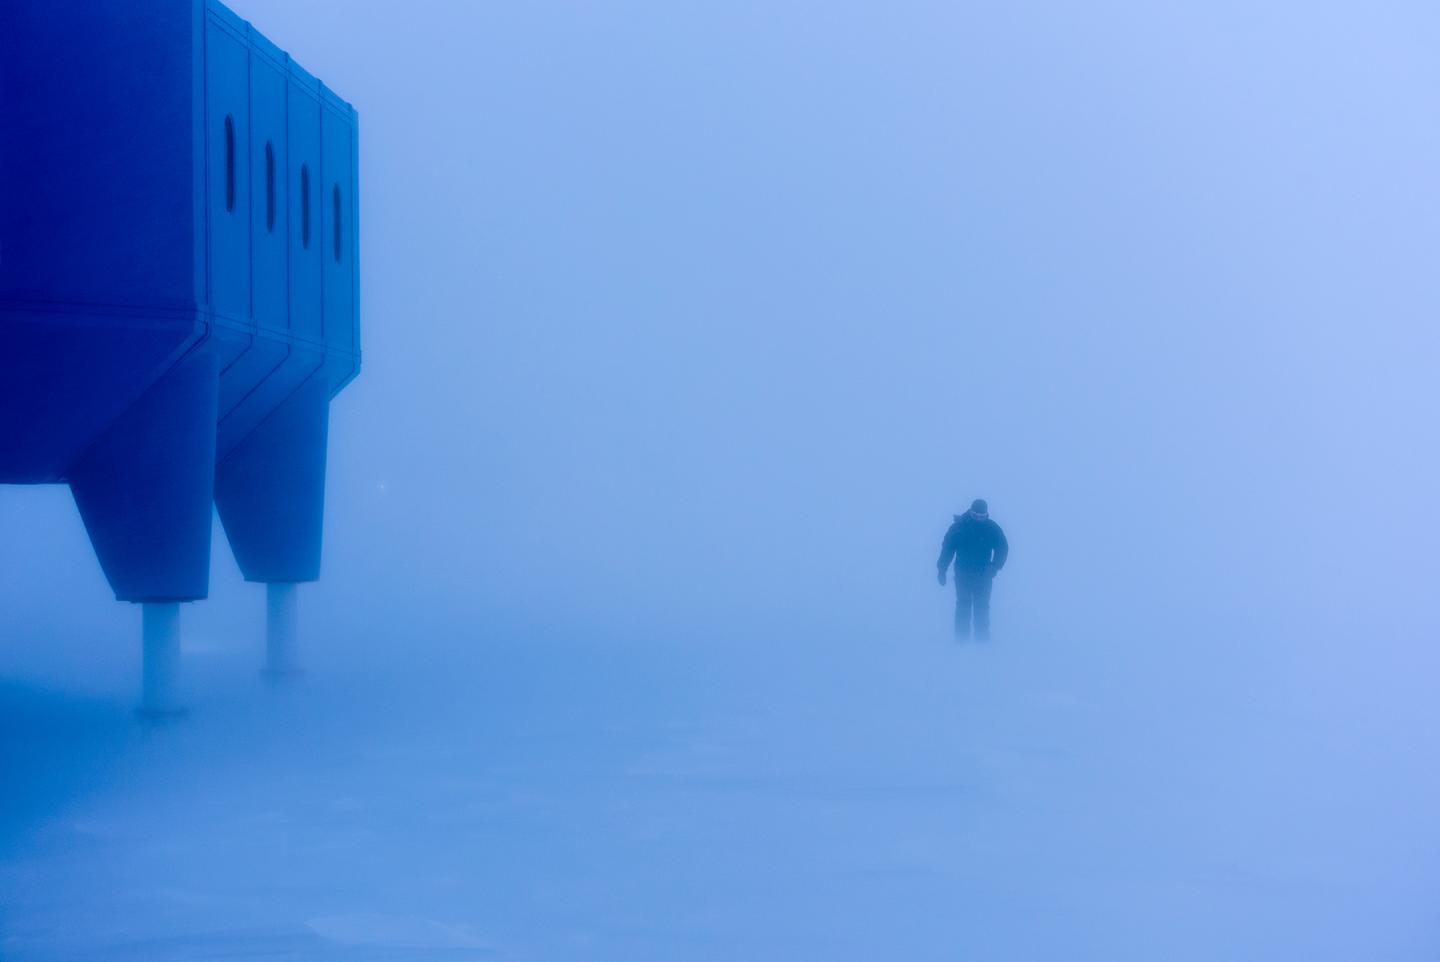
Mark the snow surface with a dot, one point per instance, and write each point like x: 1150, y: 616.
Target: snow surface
x: 864, y: 798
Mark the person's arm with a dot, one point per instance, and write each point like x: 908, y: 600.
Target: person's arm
x: 947, y: 554
x: 1002, y: 550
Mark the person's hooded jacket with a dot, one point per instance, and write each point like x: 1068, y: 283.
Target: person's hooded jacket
x: 974, y: 544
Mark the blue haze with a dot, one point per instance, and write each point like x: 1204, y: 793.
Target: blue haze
x: 686, y: 329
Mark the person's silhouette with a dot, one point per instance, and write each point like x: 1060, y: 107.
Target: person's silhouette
x: 979, y: 549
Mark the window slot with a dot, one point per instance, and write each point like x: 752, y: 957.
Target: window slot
x: 269, y: 187
x: 336, y: 221
x: 229, y: 163
x: 305, y: 206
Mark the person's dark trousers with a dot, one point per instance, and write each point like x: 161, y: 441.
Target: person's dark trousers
x: 972, y: 595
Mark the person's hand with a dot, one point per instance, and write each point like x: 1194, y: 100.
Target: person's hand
x: 940, y: 576
x: 994, y: 570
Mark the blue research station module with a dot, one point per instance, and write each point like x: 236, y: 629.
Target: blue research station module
x: 179, y: 302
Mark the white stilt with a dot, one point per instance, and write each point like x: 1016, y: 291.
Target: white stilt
x: 160, y: 678
x: 282, y: 632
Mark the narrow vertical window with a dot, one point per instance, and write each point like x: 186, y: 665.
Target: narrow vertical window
x: 336, y: 221
x: 229, y: 163
x: 305, y: 206
x: 269, y: 187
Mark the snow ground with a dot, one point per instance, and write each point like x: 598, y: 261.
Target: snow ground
x: 861, y: 798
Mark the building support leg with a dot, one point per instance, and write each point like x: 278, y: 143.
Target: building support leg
x: 160, y: 673
x: 145, y: 491
x: 270, y: 492
x: 282, y: 630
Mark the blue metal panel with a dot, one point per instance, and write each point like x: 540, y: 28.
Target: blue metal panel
x: 66, y: 375
x: 354, y: 369
x: 298, y: 363
x: 250, y: 361
x: 339, y: 241
x: 227, y: 169
x: 270, y: 217
x: 305, y: 228
x: 96, y: 126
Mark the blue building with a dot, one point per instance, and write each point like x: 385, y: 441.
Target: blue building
x: 179, y: 300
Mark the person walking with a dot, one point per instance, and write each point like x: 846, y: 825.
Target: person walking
x: 978, y: 549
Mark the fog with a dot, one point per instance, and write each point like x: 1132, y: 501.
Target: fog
x: 686, y: 330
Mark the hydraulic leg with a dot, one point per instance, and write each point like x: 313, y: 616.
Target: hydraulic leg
x: 160, y: 674
x: 282, y: 641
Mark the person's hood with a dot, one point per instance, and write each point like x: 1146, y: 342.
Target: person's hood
x: 967, y: 516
